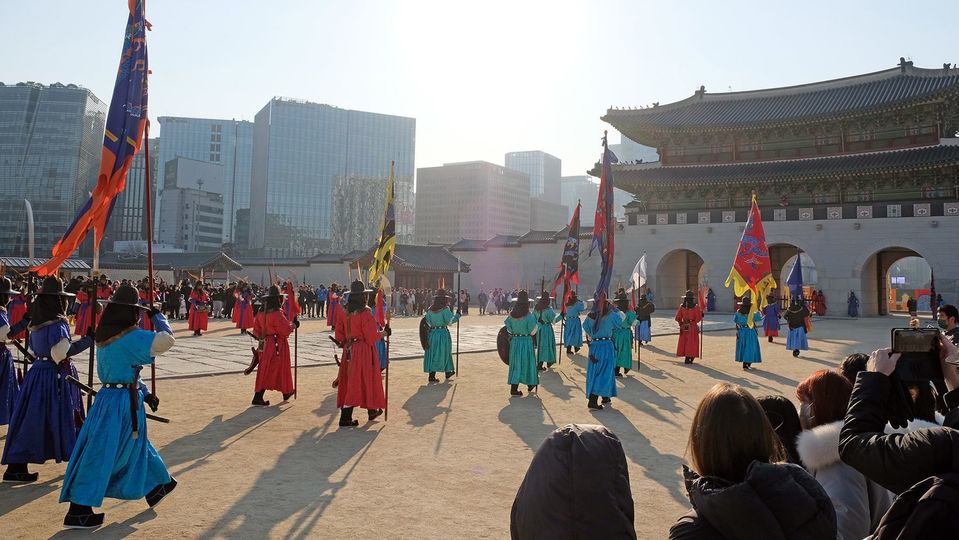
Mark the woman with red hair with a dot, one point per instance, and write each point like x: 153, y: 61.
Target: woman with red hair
x: 860, y: 503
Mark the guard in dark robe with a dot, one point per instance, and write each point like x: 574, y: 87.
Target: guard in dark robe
x: 644, y: 317
x: 796, y: 317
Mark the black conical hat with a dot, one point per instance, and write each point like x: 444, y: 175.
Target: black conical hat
x: 126, y: 295
x: 53, y: 286
x: 6, y: 286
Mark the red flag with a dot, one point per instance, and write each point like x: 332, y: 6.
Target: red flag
x: 752, y: 270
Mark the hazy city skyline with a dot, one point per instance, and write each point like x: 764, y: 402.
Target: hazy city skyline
x: 517, y: 76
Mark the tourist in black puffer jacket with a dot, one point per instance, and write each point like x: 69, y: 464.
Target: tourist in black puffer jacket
x: 577, y: 486
x: 741, y: 488
x: 898, y: 461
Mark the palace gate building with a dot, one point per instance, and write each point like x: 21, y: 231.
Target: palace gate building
x: 857, y: 173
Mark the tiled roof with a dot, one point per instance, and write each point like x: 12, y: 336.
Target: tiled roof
x: 420, y: 258
x: 502, y: 240
x: 538, y: 237
x: 210, y: 260
x: 928, y: 157
x: 22, y: 263
x: 267, y: 261
x: 836, y: 98
x: 468, y: 245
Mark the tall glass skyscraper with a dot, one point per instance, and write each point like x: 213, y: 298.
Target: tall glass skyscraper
x: 50, y: 142
x: 299, y: 149
x: 225, y: 142
x: 127, y: 221
x: 544, y: 172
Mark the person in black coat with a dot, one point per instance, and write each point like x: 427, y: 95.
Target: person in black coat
x: 577, y: 486
x: 898, y: 461
x: 740, y: 487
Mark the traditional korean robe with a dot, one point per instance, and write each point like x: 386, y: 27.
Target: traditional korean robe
x: 199, y: 317
x: 623, y: 340
x: 439, y: 357
x: 573, y: 332
x: 522, y: 357
x: 600, y: 379
x: 688, y: 319
x: 747, y: 339
x: 274, y: 371
x: 545, y: 338
x: 359, y: 376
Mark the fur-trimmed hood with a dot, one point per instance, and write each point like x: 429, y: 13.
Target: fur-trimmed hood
x: 818, y: 448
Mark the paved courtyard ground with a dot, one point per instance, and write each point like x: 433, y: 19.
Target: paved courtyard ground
x: 446, y: 464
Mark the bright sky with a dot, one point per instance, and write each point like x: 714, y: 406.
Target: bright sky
x: 481, y: 78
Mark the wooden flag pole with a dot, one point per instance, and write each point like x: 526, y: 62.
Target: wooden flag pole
x: 459, y: 282
x: 148, y: 216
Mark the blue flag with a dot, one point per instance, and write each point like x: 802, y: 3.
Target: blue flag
x: 795, y: 278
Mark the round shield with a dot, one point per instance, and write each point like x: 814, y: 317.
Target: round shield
x: 502, y: 345
x: 424, y: 333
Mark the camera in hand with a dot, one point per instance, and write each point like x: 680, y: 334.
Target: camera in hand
x: 919, y: 350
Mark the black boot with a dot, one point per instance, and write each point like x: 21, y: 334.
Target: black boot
x: 795, y: 353
x: 17, y: 472
x: 449, y: 374
x: 286, y: 397
x: 196, y: 332
x: 576, y: 349
x: 607, y: 400
x: 514, y: 390
x: 569, y: 350
x: 158, y: 493
x: 432, y: 377
x: 258, y: 399
x: 82, y: 517
x: 745, y: 366
x: 372, y: 414
x: 770, y: 338
x: 531, y: 387
x: 617, y: 372
x: 625, y: 370
x: 346, y: 417
x: 688, y: 360
x: 541, y: 367
x: 593, y: 404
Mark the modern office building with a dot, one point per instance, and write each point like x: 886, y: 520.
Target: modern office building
x: 50, y: 142
x: 127, y: 223
x: 228, y: 143
x: 546, y: 216
x: 299, y: 150
x: 544, y: 172
x: 192, y: 219
x: 474, y: 199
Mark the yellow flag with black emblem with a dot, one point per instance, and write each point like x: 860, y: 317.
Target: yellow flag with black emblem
x: 383, y: 255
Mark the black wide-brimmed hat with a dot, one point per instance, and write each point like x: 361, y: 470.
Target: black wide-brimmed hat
x: 6, y: 286
x: 53, y: 286
x: 357, y: 287
x: 273, y: 292
x: 746, y: 301
x: 621, y: 296
x: 522, y: 297
x: 126, y: 295
x: 440, y: 293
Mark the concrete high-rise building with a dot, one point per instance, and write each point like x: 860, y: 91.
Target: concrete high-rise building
x: 544, y: 171
x: 194, y: 221
x: 546, y: 216
x: 299, y: 150
x: 474, y: 199
x: 50, y: 143
x: 228, y: 143
x: 127, y: 223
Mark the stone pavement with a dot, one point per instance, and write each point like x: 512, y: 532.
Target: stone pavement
x: 229, y: 352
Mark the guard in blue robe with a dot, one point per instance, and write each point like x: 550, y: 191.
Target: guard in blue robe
x: 113, y: 456
x: 573, y: 331
x: 600, y: 380
x: 747, y: 339
x: 710, y: 300
x: 644, y: 317
x: 9, y: 385
x: 49, y: 410
x: 545, y: 338
x: 796, y: 317
x: 852, y: 305
x: 522, y: 327
x: 771, y: 314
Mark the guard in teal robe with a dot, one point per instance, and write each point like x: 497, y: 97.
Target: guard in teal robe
x: 522, y: 328
x: 600, y: 380
x: 113, y: 456
x: 623, y: 335
x: 545, y: 338
x: 747, y: 339
x: 573, y: 331
x: 439, y: 356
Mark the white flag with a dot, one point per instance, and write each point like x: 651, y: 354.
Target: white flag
x: 639, y: 273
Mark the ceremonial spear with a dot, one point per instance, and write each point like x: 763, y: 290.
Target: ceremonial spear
x: 459, y: 282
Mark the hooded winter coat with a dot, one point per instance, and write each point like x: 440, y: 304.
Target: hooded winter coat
x: 577, y: 486
x: 859, y: 502
x: 775, y: 501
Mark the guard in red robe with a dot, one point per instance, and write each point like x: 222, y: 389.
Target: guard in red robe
x: 688, y: 317
x: 199, y: 316
x: 272, y: 330
x: 359, y: 381
x: 16, y: 310
x: 820, y: 304
x: 143, y: 291
x: 85, y: 306
x: 334, y: 308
